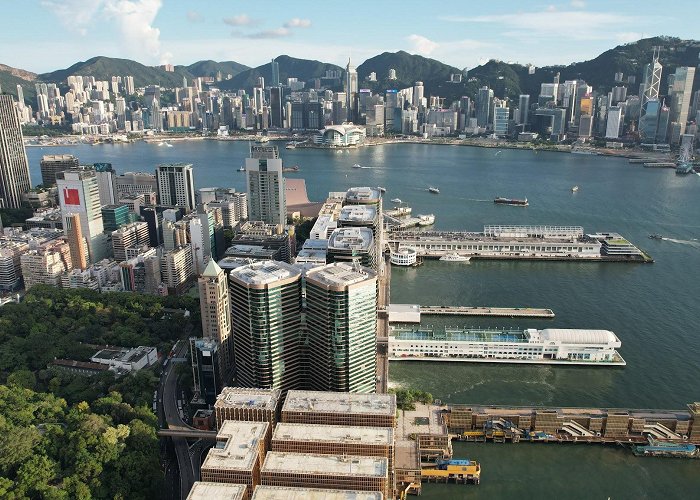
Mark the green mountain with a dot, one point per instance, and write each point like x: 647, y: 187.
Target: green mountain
x: 11, y: 77
x: 103, y: 68
x: 409, y: 69
x: 290, y: 67
x: 210, y: 68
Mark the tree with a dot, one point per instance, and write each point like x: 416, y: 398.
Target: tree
x: 22, y: 378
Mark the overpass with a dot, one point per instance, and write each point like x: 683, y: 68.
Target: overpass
x: 187, y: 434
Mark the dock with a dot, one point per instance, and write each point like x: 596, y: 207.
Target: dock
x: 660, y: 164
x: 503, y: 312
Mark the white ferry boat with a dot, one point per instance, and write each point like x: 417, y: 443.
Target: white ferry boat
x: 549, y: 346
x: 290, y: 145
x: 434, y: 190
x: 454, y: 257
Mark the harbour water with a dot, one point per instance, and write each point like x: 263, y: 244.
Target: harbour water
x: 652, y: 308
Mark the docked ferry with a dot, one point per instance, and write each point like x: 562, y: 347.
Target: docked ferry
x: 530, y: 346
x: 511, y: 201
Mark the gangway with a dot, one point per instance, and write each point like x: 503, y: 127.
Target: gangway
x: 660, y: 431
x: 576, y: 429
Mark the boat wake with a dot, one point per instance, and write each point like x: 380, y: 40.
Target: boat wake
x: 693, y: 243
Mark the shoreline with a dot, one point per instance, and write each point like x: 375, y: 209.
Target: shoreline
x: 372, y: 142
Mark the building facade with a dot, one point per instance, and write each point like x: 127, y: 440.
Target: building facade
x: 215, y: 307
x: 265, y: 184
x: 14, y: 167
x: 176, y: 186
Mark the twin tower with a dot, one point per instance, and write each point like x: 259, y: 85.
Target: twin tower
x: 291, y: 329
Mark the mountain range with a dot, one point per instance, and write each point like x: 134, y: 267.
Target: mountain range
x: 507, y: 79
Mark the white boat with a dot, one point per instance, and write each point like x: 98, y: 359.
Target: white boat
x: 242, y: 169
x: 357, y: 165
x: 574, y: 189
x: 291, y: 145
x: 426, y: 220
x: 434, y: 190
x: 396, y: 200
x: 262, y: 139
x: 168, y: 144
x: 382, y: 189
x: 454, y: 257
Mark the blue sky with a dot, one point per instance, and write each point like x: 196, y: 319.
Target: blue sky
x: 44, y: 35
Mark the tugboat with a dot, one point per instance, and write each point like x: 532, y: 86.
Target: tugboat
x: 511, y: 201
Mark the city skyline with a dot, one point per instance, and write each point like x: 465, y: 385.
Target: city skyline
x: 156, y: 31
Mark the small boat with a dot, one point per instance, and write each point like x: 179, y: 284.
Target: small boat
x: 498, y: 152
x: 396, y: 200
x: 656, y: 237
x: 242, y: 169
x: 574, y: 189
x: 357, y: 165
x: 168, y: 144
x: 511, y: 201
x: 295, y: 168
x: 434, y: 190
x: 454, y: 257
x: 382, y: 189
x: 426, y: 220
x: 291, y: 145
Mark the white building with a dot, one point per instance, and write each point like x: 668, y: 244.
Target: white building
x: 548, y: 346
x: 78, y: 193
x: 346, y: 134
x: 125, y: 359
x: 176, y: 185
x: 265, y: 185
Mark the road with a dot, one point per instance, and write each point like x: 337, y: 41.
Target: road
x: 167, y: 398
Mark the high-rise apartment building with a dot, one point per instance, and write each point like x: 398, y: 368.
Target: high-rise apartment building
x: 265, y: 183
x: 176, y: 185
x: 266, y: 312
x: 106, y: 182
x: 78, y: 193
x: 127, y: 236
x: 341, y: 319
x: 176, y: 268
x: 46, y: 264
x: 215, y: 307
x: 14, y: 167
x: 52, y: 164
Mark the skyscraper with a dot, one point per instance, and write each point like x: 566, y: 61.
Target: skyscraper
x: 484, y: 100
x: 78, y: 193
x: 648, y: 91
x: 52, y: 164
x: 350, y: 89
x: 276, y: 107
x: 265, y: 183
x: 14, y: 167
x: 275, y: 73
x: 266, y: 312
x: 341, y: 321
x: 176, y: 185
x: 215, y: 307
x: 612, y: 131
x: 524, y: 108
x: 680, y: 91
x: 76, y: 242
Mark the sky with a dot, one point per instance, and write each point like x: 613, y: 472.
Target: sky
x: 45, y: 35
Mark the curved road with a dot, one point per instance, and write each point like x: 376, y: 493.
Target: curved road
x: 167, y: 398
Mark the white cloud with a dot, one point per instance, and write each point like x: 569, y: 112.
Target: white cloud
x: 274, y: 33
x: 241, y: 20
x: 194, y: 17
x: 578, y: 4
x: 134, y: 19
x: 629, y: 37
x: 75, y: 15
x: 422, y: 45
x: 569, y: 24
x: 297, y: 23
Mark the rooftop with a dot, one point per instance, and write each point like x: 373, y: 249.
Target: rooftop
x: 339, y: 275
x: 285, y: 493
x: 336, y: 465
x: 230, y: 263
x: 363, y: 195
x: 358, y: 214
x: 251, y: 251
x: 340, y: 402
x: 334, y: 434
x: 202, y: 490
x: 241, y: 397
x: 267, y: 272
x: 241, y: 447
x: 351, y: 238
